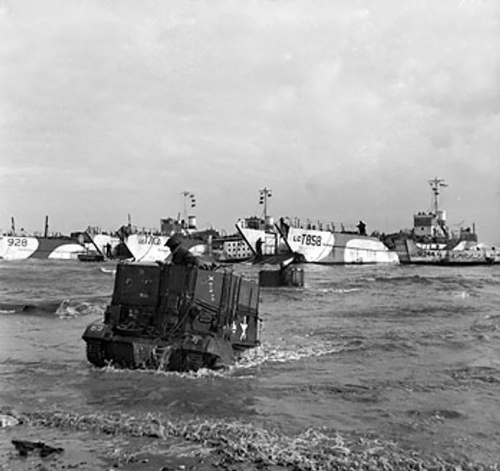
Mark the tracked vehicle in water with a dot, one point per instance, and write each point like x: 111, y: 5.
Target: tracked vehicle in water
x: 175, y: 318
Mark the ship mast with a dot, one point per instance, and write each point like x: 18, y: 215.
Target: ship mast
x: 264, y: 194
x: 192, y: 203
x: 436, y: 183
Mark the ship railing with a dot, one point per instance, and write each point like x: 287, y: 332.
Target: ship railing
x: 144, y: 231
x: 319, y: 225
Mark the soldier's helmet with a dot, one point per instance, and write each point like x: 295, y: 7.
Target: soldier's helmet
x: 173, y: 242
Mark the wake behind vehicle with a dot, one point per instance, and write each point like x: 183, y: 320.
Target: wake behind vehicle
x: 175, y: 318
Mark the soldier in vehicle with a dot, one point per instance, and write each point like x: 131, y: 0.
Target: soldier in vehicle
x: 180, y: 255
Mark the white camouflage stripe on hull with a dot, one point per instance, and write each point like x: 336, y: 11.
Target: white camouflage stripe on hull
x: 329, y: 248
x: 147, y: 248
x: 28, y: 247
x: 322, y: 247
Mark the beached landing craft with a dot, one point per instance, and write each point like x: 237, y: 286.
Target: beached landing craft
x: 149, y: 245
x: 432, y: 242
x: 311, y: 242
x: 21, y: 246
x: 175, y: 318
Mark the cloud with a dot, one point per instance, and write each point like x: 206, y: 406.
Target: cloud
x: 345, y: 109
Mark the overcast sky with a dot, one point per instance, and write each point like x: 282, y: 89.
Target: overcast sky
x: 345, y: 109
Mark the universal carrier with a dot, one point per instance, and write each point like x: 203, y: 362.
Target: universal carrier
x: 175, y: 318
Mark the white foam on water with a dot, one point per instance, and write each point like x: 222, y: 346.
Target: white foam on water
x: 69, y: 309
x: 271, y: 354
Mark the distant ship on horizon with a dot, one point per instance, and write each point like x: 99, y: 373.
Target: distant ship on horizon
x: 432, y: 242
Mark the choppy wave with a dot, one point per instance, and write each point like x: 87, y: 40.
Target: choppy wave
x: 273, y: 354
x: 254, y: 357
x: 398, y: 279
x: 74, y: 308
x: 372, y: 349
x: 19, y: 307
x: 63, y: 309
x: 327, y: 291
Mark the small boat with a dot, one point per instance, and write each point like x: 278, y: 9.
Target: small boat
x: 100, y: 246
x: 311, y: 241
x: 91, y: 257
x: 432, y: 242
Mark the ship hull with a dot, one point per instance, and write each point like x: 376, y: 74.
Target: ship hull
x: 31, y: 247
x: 411, y: 252
x: 320, y: 247
x: 152, y: 248
x: 338, y: 248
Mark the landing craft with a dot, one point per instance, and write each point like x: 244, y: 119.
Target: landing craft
x: 432, y: 242
x: 175, y: 318
x: 311, y: 241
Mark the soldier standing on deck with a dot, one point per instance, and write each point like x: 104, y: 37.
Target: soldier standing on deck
x: 361, y: 228
x: 258, y: 248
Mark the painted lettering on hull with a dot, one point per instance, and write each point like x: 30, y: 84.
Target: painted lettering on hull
x: 327, y: 247
x: 314, y: 246
x: 22, y: 248
x: 149, y: 240
x: 147, y: 248
x: 307, y: 239
x: 17, y: 248
x: 458, y: 256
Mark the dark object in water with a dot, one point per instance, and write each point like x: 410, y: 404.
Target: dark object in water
x: 91, y: 257
x: 24, y: 447
x: 288, y: 276
x: 175, y: 318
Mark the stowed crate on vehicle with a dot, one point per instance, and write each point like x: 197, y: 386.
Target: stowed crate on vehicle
x: 175, y: 318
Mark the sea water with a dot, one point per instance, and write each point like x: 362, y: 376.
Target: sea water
x: 405, y: 356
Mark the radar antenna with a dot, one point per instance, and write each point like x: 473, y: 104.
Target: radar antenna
x: 436, y: 183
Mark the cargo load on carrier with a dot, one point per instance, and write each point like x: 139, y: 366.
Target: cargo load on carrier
x: 175, y: 318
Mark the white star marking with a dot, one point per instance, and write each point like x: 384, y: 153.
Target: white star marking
x: 244, y: 326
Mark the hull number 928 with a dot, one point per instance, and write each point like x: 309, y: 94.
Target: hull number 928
x: 17, y: 242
